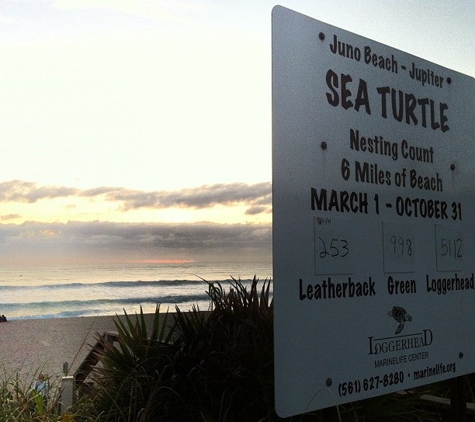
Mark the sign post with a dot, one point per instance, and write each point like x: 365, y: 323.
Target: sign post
x: 458, y: 400
x: 374, y: 217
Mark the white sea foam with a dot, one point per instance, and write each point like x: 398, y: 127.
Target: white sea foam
x: 62, y: 291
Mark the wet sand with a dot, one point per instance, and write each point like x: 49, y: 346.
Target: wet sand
x: 30, y: 346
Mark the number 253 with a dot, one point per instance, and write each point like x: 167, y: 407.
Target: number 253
x: 333, y: 248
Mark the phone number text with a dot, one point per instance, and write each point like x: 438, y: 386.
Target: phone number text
x: 372, y: 383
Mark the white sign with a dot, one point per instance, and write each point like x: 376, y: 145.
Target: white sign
x: 374, y: 217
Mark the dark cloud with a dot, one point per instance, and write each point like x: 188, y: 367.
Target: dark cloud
x: 9, y: 217
x: 129, y: 241
x: 20, y: 191
x: 199, y: 197
x: 256, y: 196
x: 257, y: 210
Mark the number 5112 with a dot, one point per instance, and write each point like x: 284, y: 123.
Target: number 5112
x: 451, y: 247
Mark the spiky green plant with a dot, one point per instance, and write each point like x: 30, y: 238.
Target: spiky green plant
x: 224, y: 358
x: 213, y: 365
x: 242, y: 323
x: 131, y: 373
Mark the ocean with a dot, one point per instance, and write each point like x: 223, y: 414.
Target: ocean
x: 109, y: 289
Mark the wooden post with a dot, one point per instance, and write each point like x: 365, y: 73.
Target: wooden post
x: 67, y: 393
x: 458, y: 401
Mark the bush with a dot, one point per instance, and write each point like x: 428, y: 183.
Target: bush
x: 203, y: 366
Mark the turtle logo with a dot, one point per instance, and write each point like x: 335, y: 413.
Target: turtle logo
x: 401, y: 316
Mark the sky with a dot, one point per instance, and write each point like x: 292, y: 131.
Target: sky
x: 141, y: 129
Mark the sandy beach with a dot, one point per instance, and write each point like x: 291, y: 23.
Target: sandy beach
x: 33, y: 345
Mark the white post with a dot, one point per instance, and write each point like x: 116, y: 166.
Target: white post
x: 67, y: 392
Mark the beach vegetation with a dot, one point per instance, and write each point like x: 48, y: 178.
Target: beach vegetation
x: 20, y: 402
x: 215, y: 365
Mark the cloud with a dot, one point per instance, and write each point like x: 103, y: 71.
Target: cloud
x: 29, y: 192
x: 257, y: 210
x: 97, y: 241
x: 9, y: 217
x: 257, y: 196
x: 200, y: 197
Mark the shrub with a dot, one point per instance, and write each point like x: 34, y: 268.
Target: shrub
x: 204, y: 366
